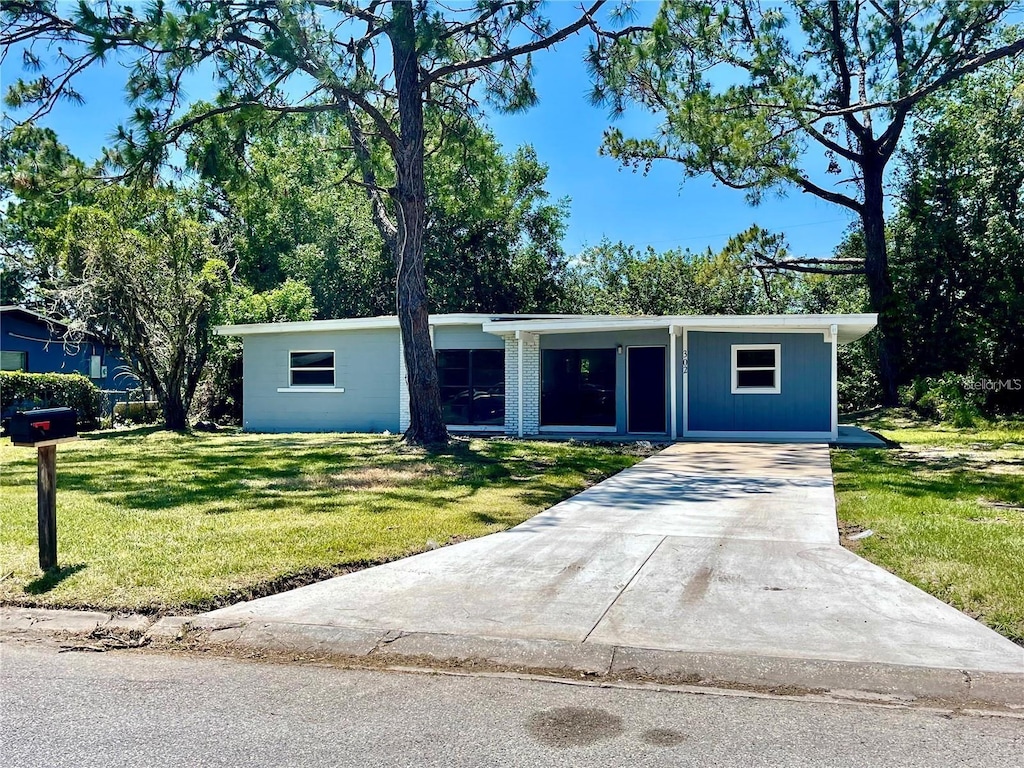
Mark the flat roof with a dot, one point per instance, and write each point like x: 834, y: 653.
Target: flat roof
x: 362, y: 323
x: 849, y: 327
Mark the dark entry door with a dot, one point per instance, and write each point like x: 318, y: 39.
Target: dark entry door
x: 645, y: 387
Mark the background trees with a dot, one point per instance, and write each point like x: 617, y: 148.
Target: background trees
x: 315, y: 196
x: 386, y: 67
x: 137, y: 269
x: 813, y: 97
x: 958, y: 235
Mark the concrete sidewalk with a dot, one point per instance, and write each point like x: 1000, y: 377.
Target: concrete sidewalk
x: 705, y: 562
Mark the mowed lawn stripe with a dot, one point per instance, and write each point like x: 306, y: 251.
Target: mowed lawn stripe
x: 157, y: 521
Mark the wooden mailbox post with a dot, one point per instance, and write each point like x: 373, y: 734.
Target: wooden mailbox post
x: 44, y: 430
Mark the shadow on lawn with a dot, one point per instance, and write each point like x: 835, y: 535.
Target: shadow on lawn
x: 53, y: 577
x: 150, y: 470
x: 939, y: 477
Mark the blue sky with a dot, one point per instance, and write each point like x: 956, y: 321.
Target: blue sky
x: 566, y: 130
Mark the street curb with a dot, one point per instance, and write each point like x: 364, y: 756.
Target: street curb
x: 902, y: 684
x: 768, y: 674
x: 45, y: 621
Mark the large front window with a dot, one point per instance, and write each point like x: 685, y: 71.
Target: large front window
x: 472, y: 386
x: 578, y: 387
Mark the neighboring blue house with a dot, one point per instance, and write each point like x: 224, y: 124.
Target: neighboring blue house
x: 675, y: 377
x: 32, y: 343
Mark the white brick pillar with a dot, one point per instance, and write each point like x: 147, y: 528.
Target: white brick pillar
x: 404, y: 415
x: 511, y: 383
x: 531, y: 383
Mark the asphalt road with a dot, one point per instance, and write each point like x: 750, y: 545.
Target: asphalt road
x: 144, y: 709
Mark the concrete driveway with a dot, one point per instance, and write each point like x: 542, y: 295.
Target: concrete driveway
x: 704, y: 548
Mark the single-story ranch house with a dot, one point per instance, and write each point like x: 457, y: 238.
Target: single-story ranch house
x: 677, y: 377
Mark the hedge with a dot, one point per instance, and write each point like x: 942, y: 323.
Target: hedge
x: 137, y: 412
x: 23, y: 391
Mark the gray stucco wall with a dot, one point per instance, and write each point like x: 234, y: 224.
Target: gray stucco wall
x: 465, y: 337
x: 610, y: 340
x: 803, y: 405
x: 366, y: 367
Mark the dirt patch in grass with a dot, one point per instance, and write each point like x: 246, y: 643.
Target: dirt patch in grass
x: 848, y: 530
x: 977, y: 458
x: 367, y: 478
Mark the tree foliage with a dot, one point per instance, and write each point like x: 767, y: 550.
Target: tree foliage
x: 40, y: 181
x: 492, y: 239
x: 614, y: 278
x: 958, y: 236
x: 219, y: 396
x: 383, y: 65
x: 138, y: 271
x: 813, y: 96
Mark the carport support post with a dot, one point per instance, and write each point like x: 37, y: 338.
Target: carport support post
x: 47, y: 505
x: 672, y: 379
x: 519, y: 384
x: 833, y: 332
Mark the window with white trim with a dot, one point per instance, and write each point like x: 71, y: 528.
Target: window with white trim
x: 756, y: 369
x: 311, y: 368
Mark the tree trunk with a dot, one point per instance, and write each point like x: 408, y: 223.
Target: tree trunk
x: 881, y: 295
x: 426, y: 425
x: 175, y: 413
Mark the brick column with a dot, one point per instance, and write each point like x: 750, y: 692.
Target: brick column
x: 511, y: 384
x: 531, y: 383
x: 404, y: 414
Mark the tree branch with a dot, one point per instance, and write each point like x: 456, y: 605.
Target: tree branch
x: 833, y: 197
x: 516, y: 51
x: 807, y: 265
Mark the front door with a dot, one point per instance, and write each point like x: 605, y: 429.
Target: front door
x: 645, y: 389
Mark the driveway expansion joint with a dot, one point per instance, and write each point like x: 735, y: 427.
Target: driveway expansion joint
x: 624, y: 588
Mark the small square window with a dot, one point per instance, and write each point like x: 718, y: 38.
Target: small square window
x: 756, y: 369
x: 13, y: 361
x: 311, y: 369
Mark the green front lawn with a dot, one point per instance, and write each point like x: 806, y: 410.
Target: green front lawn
x: 947, y: 510
x: 157, y: 521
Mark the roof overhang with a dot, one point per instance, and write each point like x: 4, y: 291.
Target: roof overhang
x: 364, y: 323
x: 30, y: 313
x: 848, y: 327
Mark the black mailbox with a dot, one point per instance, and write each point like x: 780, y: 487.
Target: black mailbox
x: 42, y: 425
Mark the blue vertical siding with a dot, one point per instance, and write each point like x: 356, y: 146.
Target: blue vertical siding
x: 803, y: 405
x: 47, y: 352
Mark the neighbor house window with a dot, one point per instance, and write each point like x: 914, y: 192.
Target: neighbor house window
x: 13, y: 361
x: 577, y: 387
x: 756, y: 369
x: 311, y: 369
x: 472, y: 386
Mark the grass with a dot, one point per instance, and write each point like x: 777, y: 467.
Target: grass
x: 947, y: 509
x: 155, y: 521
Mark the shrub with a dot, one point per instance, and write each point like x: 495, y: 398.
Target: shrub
x: 137, y: 412
x: 25, y: 391
x: 944, y: 399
